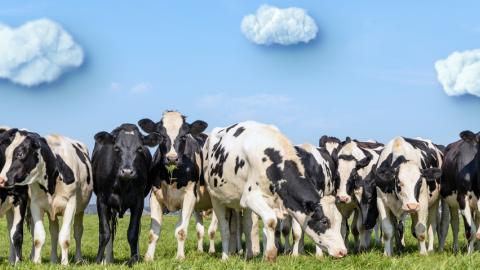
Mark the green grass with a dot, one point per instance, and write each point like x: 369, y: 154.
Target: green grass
x: 167, y: 246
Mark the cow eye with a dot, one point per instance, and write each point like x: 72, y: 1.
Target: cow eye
x: 20, y: 155
x: 324, y: 222
x: 117, y: 149
x: 183, y: 138
x: 140, y: 149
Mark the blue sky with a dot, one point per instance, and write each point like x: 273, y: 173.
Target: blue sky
x: 369, y: 73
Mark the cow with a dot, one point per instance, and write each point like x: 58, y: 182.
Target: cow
x: 254, y: 167
x: 460, y: 188
x: 320, y: 168
x: 408, y: 181
x: 13, y: 203
x: 183, y: 187
x: 356, y: 191
x: 58, y: 172
x: 121, y: 160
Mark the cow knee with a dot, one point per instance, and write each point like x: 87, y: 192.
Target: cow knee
x: 422, y: 236
x: 199, y: 235
x: 64, y: 242
x: 212, y: 234
x: 271, y: 224
x: 152, y: 237
x: 285, y: 231
x: 181, y: 235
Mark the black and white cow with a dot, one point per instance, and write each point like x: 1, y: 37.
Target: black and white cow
x: 254, y: 167
x: 58, y: 172
x: 331, y: 144
x: 183, y: 188
x: 408, y: 181
x: 356, y: 191
x: 13, y: 203
x: 121, y: 160
x: 460, y: 188
x: 320, y: 169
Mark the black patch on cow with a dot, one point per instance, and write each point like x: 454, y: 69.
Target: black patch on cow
x: 468, y: 228
x: 221, y: 158
x: 239, y: 164
x: 257, y: 183
x: 250, y: 188
x: 215, y: 181
x: 230, y: 127
x: 239, y: 131
x: 264, y: 159
x: 43, y: 188
x: 65, y: 171
x: 84, y: 158
x: 347, y: 157
x: 418, y: 186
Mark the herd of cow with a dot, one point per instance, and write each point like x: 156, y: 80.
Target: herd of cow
x: 245, y: 171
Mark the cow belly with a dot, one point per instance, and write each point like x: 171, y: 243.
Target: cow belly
x: 452, y: 200
x: 204, y: 201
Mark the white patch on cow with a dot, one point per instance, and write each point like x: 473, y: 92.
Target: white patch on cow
x: 9, y: 154
x: 358, y: 194
x: 172, y: 122
x: 372, y: 141
x: 130, y: 132
x: 4, y: 128
x: 330, y: 146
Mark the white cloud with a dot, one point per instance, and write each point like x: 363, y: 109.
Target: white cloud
x: 115, y: 87
x: 37, y: 52
x: 284, y: 26
x: 141, y: 87
x: 460, y: 73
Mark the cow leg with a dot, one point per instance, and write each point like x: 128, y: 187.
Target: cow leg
x: 377, y: 228
x: 432, y: 225
x: 64, y: 236
x: 286, y: 227
x: 261, y: 208
x: 54, y: 228
x: 344, y: 231
x: 200, y: 229
x: 477, y: 224
x: 212, y: 231
x: 232, y: 219
x: 39, y: 231
x: 182, y: 224
x: 109, y: 253
x: 318, y: 252
x: 455, y: 227
x: 278, y: 236
x: 355, y: 232
x: 156, y: 214
x: 400, y: 232
x: 364, y: 234
x: 133, y: 231
x: 387, y: 227
x: 77, y: 233
x: 469, y: 225
x: 104, y: 230
x: 250, y: 228
x: 239, y: 231
x: 444, y: 224
x: 223, y: 227
x: 11, y: 257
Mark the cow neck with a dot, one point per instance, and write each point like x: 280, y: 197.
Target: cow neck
x: 47, y: 160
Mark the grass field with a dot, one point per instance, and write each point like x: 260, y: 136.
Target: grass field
x: 167, y: 246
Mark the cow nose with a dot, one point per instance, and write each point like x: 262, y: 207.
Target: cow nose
x: 172, y: 159
x: 342, y: 199
x: 342, y: 253
x: 127, y: 172
x: 412, y: 207
x: 2, y: 182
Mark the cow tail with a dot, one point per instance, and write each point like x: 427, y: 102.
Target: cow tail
x: 29, y: 219
x: 114, y: 222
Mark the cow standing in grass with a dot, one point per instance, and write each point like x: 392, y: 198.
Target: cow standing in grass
x: 121, y: 160
x: 254, y: 167
x: 58, y: 171
x: 408, y: 181
x: 460, y: 189
x: 183, y: 187
x: 13, y: 203
x: 356, y: 191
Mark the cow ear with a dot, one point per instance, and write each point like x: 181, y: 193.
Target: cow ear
x: 147, y: 125
x: 323, y: 141
x: 152, y: 140
x: 197, y: 127
x: 477, y: 137
x: 347, y: 141
x: 468, y: 136
x: 362, y: 163
x: 104, y: 138
x: 7, y: 136
x: 335, y: 157
x: 431, y: 174
x: 36, y: 143
x: 387, y: 174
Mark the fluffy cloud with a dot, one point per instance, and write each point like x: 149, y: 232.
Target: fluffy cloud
x: 37, y: 52
x: 460, y: 73
x: 284, y: 26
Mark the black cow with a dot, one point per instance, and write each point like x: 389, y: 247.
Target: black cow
x: 13, y: 203
x: 121, y: 160
x: 460, y: 187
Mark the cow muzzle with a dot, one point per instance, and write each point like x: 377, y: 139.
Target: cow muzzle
x: 2, y: 181
x: 411, y: 207
x: 343, y: 199
x: 341, y: 253
x: 172, y: 160
x: 127, y: 173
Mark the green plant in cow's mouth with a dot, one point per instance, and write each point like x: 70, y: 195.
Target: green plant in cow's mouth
x: 170, y: 169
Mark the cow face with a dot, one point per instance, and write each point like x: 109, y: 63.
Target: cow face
x: 408, y: 179
x: 365, y: 196
x: 324, y: 228
x: 350, y: 170
x: 174, y: 132
x: 128, y: 144
x: 22, y: 158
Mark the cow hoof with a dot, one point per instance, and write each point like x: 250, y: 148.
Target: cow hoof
x: 211, y: 251
x: 271, y: 255
x: 134, y: 260
x: 200, y: 249
x: 240, y: 252
x: 181, y: 258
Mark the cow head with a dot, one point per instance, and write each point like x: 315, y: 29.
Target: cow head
x: 324, y: 227
x: 174, y: 132
x: 351, y: 168
x: 22, y: 157
x: 470, y: 137
x: 128, y: 144
x: 408, y: 180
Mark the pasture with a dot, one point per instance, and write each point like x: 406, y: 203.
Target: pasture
x: 167, y: 246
